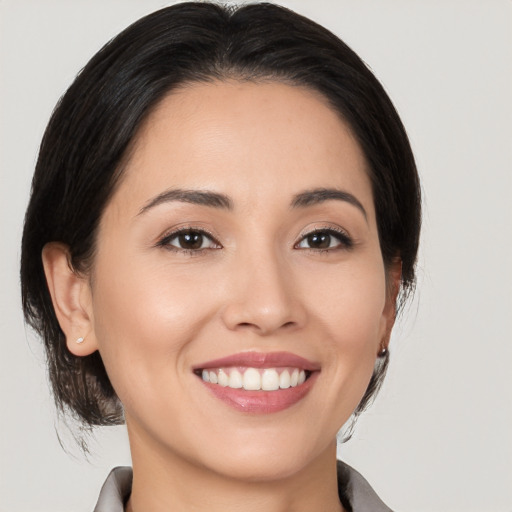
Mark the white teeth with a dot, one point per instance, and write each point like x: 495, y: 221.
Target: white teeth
x: 223, y: 378
x: 252, y: 379
x: 270, y: 380
x: 255, y: 379
x: 284, y: 380
x: 235, y: 379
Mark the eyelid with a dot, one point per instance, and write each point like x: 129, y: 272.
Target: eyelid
x: 346, y: 241
x: 163, y: 240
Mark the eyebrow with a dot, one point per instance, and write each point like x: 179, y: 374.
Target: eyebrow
x: 201, y: 197
x: 222, y: 201
x: 320, y: 195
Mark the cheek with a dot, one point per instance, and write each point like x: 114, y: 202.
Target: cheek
x: 350, y: 302
x: 145, y: 316
x: 349, y: 309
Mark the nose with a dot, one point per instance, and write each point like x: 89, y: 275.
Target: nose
x: 263, y: 296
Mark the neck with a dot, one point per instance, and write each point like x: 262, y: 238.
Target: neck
x: 167, y: 482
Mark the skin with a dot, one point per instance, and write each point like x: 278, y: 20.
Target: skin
x: 154, y: 312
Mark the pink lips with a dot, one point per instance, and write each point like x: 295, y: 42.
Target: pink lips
x: 261, y: 402
x: 261, y: 360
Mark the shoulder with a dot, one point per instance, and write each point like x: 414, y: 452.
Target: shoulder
x: 356, y: 493
x: 115, y: 491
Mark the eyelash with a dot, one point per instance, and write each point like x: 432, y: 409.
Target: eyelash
x: 165, y: 242
x: 345, y: 241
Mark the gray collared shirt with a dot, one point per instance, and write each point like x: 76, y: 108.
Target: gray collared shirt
x: 353, y: 489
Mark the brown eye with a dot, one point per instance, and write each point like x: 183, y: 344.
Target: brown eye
x: 319, y: 240
x: 189, y: 240
x: 325, y: 239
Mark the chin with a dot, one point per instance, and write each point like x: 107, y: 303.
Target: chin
x: 267, y: 456
x: 264, y: 467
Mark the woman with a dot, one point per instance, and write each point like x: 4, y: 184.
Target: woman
x: 227, y: 208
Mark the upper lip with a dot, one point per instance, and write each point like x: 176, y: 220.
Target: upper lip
x: 261, y: 360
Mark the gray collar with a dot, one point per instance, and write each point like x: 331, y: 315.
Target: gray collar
x: 355, y: 492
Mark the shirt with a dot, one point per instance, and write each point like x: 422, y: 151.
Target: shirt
x: 355, y: 492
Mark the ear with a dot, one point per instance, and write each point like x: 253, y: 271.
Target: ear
x: 393, y: 280
x: 71, y: 298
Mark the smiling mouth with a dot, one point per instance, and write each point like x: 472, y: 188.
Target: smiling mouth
x: 259, y: 383
x: 255, y: 379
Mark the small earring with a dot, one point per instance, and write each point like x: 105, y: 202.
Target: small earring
x: 79, y: 340
x: 383, y: 352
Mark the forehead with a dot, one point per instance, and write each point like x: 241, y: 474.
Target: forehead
x: 245, y: 139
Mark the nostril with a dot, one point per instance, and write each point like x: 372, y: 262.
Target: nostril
x: 264, y: 328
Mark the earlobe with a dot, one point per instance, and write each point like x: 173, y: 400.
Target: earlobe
x: 71, y: 298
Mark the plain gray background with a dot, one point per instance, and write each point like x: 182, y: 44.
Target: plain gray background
x: 439, y: 436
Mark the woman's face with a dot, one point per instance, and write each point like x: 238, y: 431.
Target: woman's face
x: 244, y: 231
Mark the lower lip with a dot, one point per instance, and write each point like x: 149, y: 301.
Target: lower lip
x: 261, y: 402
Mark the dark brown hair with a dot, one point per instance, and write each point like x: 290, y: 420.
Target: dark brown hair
x: 96, y: 120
